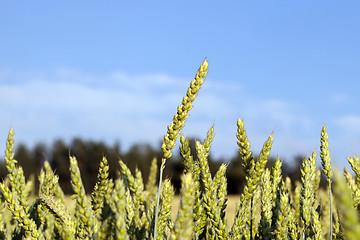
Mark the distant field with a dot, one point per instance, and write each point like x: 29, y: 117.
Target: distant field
x: 233, y: 200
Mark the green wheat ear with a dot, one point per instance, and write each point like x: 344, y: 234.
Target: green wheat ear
x: 282, y: 223
x: 353, y: 186
x: 15, y: 174
x: 257, y: 169
x: 178, y: 123
x: 355, y: 165
x: 266, y: 206
x: 165, y: 224
x: 182, y: 112
x: 243, y: 211
x: 152, y: 179
x: 349, y: 220
x: 19, y: 213
x: 244, y: 147
x: 57, y: 191
x: 97, y: 197
x: 184, y: 225
x: 60, y: 211
x: 83, y: 212
x: 215, y: 204
x: 48, y: 181
x: 16, y: 197
x: 119, y: 210
x: 325, y: 154
x: 308, y: 178
x: 326, y: 166
x: 199, y: 215
x: 275, y: 179
x: 186, y: 155
x: 136, y: 188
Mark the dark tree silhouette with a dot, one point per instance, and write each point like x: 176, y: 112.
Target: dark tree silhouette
x: 89, y: 154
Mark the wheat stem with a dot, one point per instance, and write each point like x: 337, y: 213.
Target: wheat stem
x: 178, y: 123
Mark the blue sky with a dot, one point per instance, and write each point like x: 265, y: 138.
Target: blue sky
x: 117, y: 71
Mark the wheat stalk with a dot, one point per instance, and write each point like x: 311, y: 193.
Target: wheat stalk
x: 355, y: 165
x: 183, y: 227
x: 97, y: 196
x: 308, y: 178
x: 282, y: 222
x: 178, y: 123
x: 19, y: 213
x: 60, y: 211
x: 354, y: 188
x: 83, y: 213
x: 244, y: 147
x: 326, y: 166
x: 349, y: 220
x: 119, y: 210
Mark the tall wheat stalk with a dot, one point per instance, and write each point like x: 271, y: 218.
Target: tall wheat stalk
x: 326, y: 167
x: 178, y: 124
x: 308, y: 178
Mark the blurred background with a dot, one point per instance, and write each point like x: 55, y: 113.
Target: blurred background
x: 105, y: 78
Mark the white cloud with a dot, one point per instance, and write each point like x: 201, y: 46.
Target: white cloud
x: 339, y: 98
x: 68, y: 103
x: 349, y: 122
x: 134, y: 108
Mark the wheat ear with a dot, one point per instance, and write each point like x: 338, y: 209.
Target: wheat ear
x: 164, y: 222
x: 282, y: 222
x: 97, y: 196
x: 136, y: 187
x: 185, y: 153
x: 293, y: 228
x: 253, y: 179
x: 60, y: 211
x: 200, y: 218
x: 182, y: 112
x: 215, y: 203
x: 57, y: 191
x: 19, y: 213
x: 119, y: 205
x: 276, y: 176
x: 151, y: 182
x: 354, y: 188
x: 244, y: 147
x: 266, y: 206
x: 48, y: 181
x: 355, y: 165
x: 257, y: 170
x: 15, y: 174
x: 349, y: 220
x: 316, y: 226
x: 178, y: 123
x: 183, y: 227
x: 308, y: 176
x: 326, y: 166
x: 83, y: 213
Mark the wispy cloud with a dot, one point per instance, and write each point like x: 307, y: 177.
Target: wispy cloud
x: 349, y: 122
x: 132, y: 108
x: 339, y: 98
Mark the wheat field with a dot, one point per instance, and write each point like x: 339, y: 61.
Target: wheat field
x: 233, y: 201
x: 129, y: 207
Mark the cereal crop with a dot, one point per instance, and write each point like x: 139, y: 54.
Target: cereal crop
x: 127, y: 207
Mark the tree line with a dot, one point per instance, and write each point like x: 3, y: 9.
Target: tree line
x: 89, y: 153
